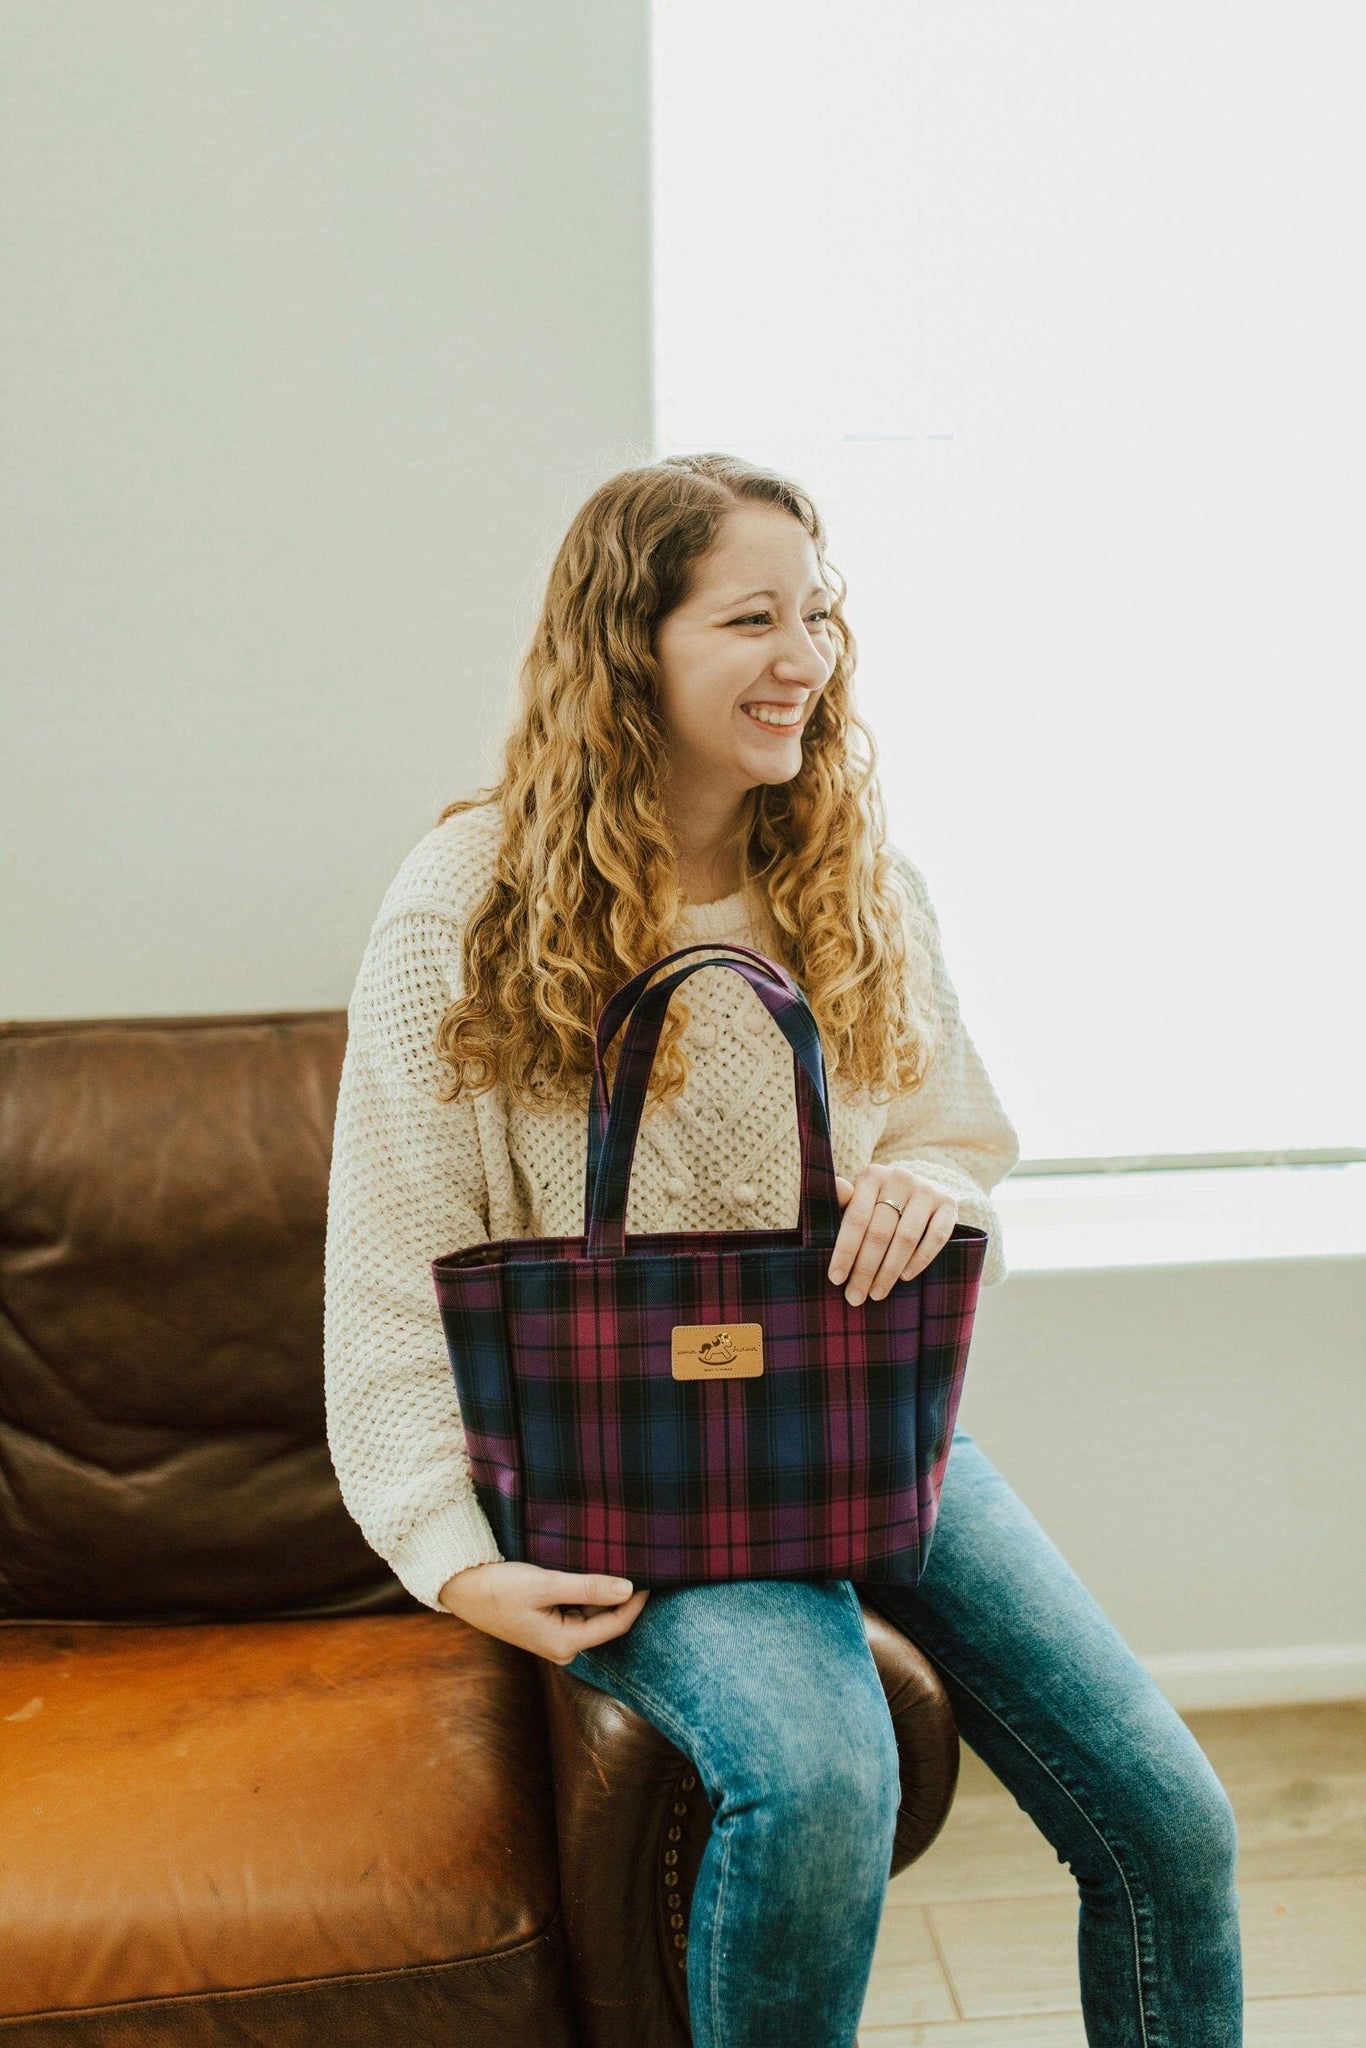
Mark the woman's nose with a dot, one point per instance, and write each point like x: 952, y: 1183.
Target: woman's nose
x: 802, y: 665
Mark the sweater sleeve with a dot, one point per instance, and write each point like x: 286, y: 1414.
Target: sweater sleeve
x: 406, y: 1185
x: 953, y: 1130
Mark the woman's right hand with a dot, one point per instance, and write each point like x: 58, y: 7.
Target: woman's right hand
x: 552, y: 1614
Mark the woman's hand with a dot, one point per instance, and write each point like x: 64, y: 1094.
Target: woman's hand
x: 552, y: 1614
x: 875, y: 1247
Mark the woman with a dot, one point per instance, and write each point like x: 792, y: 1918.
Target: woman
x: 650, y: 799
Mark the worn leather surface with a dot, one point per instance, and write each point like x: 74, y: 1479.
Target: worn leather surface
x: 250, y: 1790
x: 518, y: 1998
x: 633, y: 1820
x: 163, y: 1200
x: 219, y: 1808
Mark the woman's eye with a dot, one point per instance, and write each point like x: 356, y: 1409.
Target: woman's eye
x: 757, y: 618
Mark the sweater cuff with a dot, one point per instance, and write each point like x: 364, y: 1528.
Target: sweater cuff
x: 456, y: 1535
x: 975, y: 1207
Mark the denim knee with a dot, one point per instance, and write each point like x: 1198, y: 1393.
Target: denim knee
x: 1211, y: 1834
x: 840, y: 1773
x: 1191, y: 1830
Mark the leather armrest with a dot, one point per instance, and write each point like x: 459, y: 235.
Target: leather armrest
x: 626, y: 1878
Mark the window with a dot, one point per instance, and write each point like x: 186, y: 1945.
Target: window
x: 1058, y: 314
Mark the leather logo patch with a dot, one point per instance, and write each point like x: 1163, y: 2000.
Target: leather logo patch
x: 718, y: 1351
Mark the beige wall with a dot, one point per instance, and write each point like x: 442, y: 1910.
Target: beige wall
x: 1191, y: 1438
x: 320, y: 326
x: 321, y: 323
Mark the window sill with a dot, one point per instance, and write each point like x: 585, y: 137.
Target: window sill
x: 1197, y: 1216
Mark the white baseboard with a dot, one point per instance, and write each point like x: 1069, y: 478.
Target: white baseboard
x: 1298, y: 1675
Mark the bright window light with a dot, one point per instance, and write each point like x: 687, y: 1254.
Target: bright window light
x: 1058, y: 312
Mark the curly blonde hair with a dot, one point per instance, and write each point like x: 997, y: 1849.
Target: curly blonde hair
x: 585, y: 890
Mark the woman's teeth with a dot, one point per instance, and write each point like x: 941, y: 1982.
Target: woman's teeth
x: 767, y: 717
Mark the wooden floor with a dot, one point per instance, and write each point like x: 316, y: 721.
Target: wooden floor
x: 978, y: 1945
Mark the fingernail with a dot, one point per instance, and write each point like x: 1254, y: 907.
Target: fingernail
x: 853, y: 1297
x: 837, y: 1274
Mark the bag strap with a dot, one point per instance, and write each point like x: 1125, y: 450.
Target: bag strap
x: 620, y: 1005
x: 614, y: 1126
x: 617, y: 1006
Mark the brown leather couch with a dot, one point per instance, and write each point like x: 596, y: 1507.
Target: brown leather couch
x: 250, y: 1790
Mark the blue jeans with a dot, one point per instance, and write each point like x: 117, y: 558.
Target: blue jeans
x: 769, y: 1687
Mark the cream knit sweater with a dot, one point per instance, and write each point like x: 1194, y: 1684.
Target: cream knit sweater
x: 413, y: 1178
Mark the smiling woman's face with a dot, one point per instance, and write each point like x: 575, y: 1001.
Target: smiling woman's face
x: 753, y: 629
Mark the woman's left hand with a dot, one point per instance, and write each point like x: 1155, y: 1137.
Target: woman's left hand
x: 876, y: 1248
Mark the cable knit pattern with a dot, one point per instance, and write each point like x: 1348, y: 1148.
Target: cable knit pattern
x: 413, y: 1177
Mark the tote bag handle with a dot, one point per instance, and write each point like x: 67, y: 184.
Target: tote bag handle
x: 618, y: 1007
x: 613, y: 1127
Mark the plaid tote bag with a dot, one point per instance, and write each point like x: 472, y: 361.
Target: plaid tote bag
x: 680, y: 1406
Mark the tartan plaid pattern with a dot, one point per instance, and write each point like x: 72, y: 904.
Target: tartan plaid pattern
x: 585, y: 1451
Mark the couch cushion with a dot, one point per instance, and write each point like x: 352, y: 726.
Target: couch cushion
x: 163, y: 1443
x: 192, y: 1810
